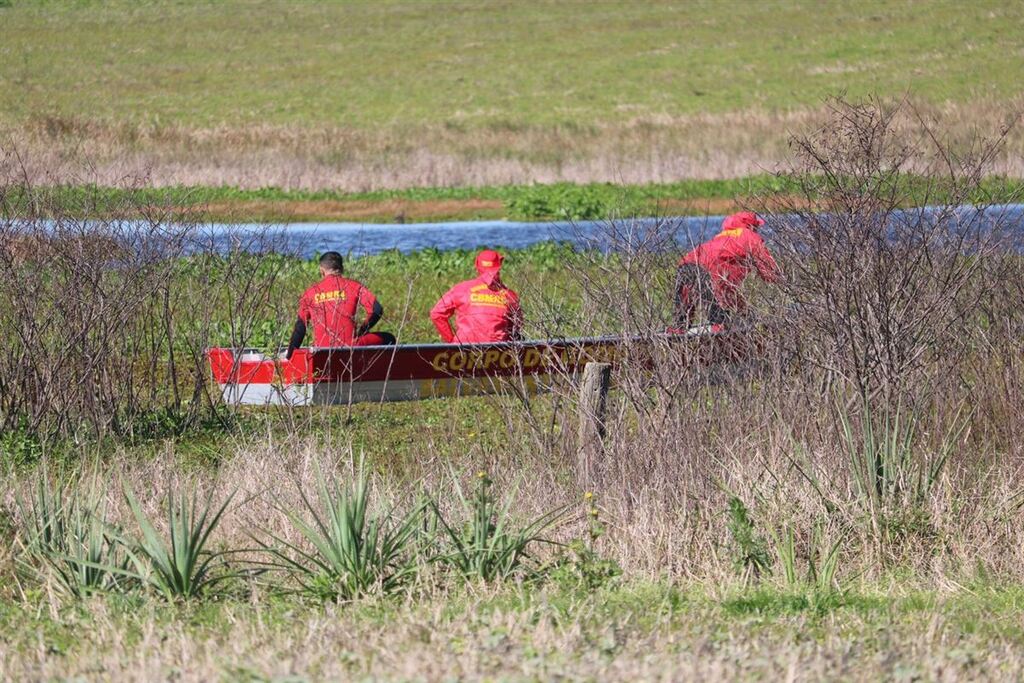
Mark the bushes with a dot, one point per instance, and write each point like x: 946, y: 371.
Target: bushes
x: 106, y: 321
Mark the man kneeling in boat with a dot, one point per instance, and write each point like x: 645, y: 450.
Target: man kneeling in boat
x: 710, y: 276
x: 485, y: 309
x: 330, y: 306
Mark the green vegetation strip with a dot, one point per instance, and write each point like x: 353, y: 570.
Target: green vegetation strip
x: 564, y: 201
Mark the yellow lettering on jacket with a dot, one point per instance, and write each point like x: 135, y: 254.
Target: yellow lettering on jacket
x: 734, y: 232
x: 497, y: 299
x: 333, y: 295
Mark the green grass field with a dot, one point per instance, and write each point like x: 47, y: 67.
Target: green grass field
x: 369, y: 95
x: 496, y: 63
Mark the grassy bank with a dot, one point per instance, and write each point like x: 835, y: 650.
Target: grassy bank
x: 361, y: 95
x: 632, y: 630
x: 564, y: 201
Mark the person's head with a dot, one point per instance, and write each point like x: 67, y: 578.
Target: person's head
x: 743, y: 219
x: 331, y: 263
x: 488, y: 264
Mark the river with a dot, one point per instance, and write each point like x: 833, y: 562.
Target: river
x: 306, y: 239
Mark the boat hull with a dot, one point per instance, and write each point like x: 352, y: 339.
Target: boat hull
x: 331, y: 376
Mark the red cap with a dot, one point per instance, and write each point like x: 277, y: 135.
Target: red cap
x: 488, y: 263
x: 743, y: 219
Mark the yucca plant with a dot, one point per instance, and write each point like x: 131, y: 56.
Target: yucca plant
x: 885, y: 460
x: 180, y: 565
x: 67, y: 536
x: 350, y: 550
x: 822, y: 562
x: 486, y: 546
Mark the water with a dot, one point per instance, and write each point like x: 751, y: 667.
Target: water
x: 307, y: 239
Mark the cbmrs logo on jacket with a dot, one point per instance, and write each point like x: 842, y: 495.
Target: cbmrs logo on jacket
x: 485, y: 296
x: 334, y: 295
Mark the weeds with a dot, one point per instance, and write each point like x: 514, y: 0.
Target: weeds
x: 886, y: 458
x: 822, y: 562
x: 487, y: 546
x: 751, y: 556
x: 68, y: 537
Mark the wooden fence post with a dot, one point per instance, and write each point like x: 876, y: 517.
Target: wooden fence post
x: 592, y: 406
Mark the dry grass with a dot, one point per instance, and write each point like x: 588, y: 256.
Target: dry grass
x: 672, y: 532
x: 537, y: 643
x: 646, y: 149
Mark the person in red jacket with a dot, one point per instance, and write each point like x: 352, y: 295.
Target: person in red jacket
x: 709, y: 277
x: 330, y: 306
x: 485, y: 309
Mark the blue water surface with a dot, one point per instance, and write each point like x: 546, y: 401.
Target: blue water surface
x: 307, y: 239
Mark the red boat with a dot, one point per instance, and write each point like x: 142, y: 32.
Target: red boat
x: 325, y: 376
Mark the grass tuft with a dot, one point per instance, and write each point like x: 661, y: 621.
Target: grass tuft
x: 67, y: 537
x: 487, y: 545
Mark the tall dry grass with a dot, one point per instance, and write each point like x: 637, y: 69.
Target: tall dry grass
x: 641, y: 150
x: 674, y: 530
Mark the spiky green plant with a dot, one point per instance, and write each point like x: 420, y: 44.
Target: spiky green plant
x: 486, y: 546
x: 350, y: 551
x: 886, y: 462
x: 822, y: 561
x: 180, y: 566
x: 751, y: 558
x: 67, y: 537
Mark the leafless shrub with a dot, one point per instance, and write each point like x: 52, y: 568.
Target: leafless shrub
x: 886, y: 272
x: 105, y: 320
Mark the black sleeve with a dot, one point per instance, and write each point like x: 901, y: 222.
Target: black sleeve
x: 298, y: 334
x: 375, y: 315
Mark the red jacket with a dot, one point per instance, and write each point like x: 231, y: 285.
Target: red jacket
x: 483, y: 313
x: 728, y: 258
x: 330, y: 306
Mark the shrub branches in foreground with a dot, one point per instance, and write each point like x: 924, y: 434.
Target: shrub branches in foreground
x: 105, y: 320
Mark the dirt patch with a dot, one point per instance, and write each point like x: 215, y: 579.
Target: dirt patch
x: 389, y: 210
x: 721, y: 205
